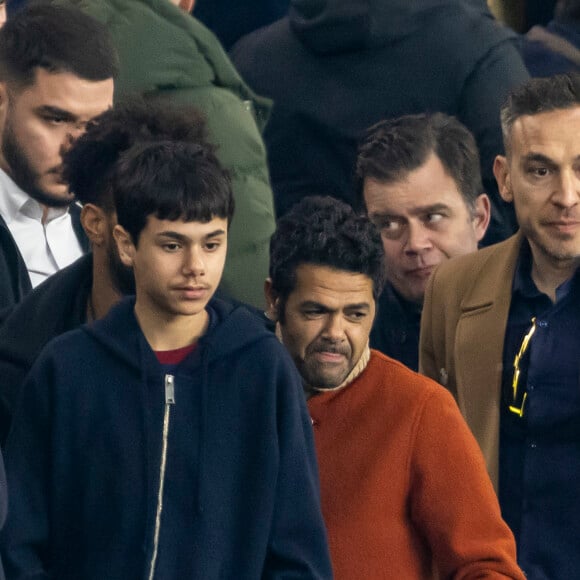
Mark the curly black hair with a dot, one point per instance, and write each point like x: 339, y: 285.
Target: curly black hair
x: 89, y: 165
x: 170, y: 180
x: 327, y: 232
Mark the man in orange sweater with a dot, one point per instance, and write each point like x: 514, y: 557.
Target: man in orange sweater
x: 405, y: 493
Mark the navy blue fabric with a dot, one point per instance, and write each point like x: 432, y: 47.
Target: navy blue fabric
x: 83, y: 458
x: 396, y: 328
x: 229, y: 20
x: 541, y: 61
x: 56, y: 306
x: 12, y: 6
x: 540, y: 453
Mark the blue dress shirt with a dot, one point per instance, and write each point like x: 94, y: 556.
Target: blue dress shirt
x: 539, y: 482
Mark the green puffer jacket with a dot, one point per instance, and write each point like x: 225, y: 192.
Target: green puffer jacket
x: 166, y: 53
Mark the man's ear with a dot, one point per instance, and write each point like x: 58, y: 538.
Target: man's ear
x: 94, y: 223
x: 125, y: 246
x: 501, y: 171
x: 272, y: 300
x: 481, y: 215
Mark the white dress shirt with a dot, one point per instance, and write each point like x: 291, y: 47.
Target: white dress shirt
x: 45, y: 247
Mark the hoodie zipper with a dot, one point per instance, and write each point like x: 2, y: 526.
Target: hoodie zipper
x: 169, y: 401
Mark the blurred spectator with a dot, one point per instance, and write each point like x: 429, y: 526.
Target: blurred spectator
x: 555, y: 48
x: 334, y: 68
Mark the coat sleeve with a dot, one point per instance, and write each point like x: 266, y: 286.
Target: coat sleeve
x: 28, y: 455
x: 297, y: 546
x: 452, y: 499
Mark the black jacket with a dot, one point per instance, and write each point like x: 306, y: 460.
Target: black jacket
x: 14, y: 278
x: 334, y: 68
x: 55, y: 306
x: 396, y: 328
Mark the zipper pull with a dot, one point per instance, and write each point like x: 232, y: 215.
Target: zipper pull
x: 169, y: 390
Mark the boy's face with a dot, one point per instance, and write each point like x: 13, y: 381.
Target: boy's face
x: 177, y: 265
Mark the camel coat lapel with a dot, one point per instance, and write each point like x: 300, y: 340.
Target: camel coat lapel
x: 478, y: 349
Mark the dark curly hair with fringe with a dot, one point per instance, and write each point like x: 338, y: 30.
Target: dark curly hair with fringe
x: 326, y: 232
x: 170, y: 180
x: 89, y: 165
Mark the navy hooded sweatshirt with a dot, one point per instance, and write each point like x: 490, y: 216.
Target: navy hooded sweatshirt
x: 123, y: 469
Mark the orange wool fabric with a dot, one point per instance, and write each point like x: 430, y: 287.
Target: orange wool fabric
x: 403, y: 480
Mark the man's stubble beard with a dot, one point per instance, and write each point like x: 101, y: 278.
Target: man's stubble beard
x: 22, y: 173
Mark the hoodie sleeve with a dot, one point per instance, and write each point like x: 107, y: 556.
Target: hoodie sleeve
x: 297, y: 545
x: 26, y: 535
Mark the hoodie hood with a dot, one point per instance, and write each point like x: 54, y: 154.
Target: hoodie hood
x: 335, y: 26
x: 235, y: 328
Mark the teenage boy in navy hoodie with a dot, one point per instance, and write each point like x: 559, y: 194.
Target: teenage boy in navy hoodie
x: 170, y: 439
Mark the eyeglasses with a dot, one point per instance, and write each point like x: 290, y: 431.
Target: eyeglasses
x: 519, y: 400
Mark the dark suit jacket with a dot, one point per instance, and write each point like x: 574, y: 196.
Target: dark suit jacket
x: 14, y: 279
x: 462, y: 336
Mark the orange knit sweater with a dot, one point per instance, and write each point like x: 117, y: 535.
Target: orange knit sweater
x: 403, y: 482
